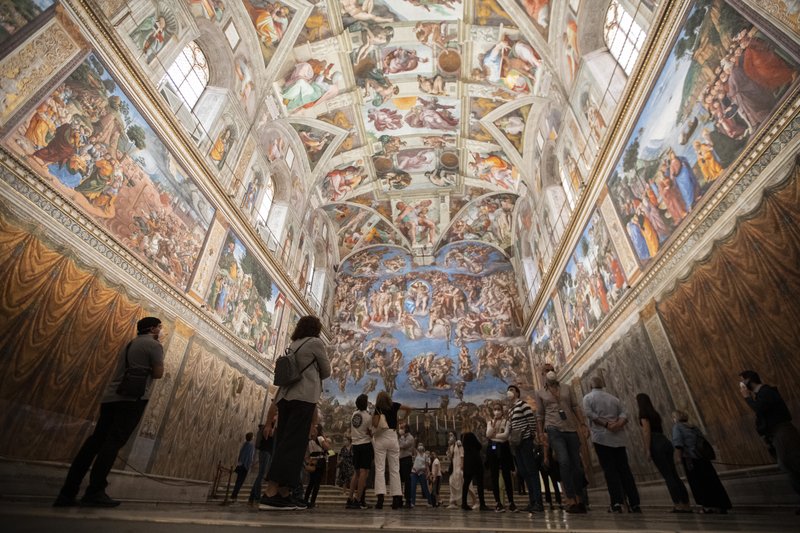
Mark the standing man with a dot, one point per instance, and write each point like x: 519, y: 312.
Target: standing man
x: 407, y: 444
x: 246, y: 455
x: 524, y: 421
x: 774, y: 423
x: 607, y: 419
x: 119, y: 416
x: 557, y: 419
x: 264, y: 443
x: 361, y: 437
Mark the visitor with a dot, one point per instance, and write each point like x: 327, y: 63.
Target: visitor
x: 361, y: 435
x: 472, y: 467
x: 498, y: 457
x: 407, y: 444
x: 528, y: 460
x: 246, y: 455
x: 419, y: 474
x: 387, y: 448
x: 316, y: 464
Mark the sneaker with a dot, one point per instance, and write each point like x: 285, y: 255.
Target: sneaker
x: 576, y: 508
x: 499, y: 508
x: 466, y: 508
x: 99, y: 499
x: 484, y: 508
x: 299, y: 505
x: 616, y: 508
x: 512, y: 508
x: 65, y: 501
x: 352, y: 504
x: 636, y: 509
x: 363, y: 505
x: 276, y: 503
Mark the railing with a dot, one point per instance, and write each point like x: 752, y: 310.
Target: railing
x: 221, y: 471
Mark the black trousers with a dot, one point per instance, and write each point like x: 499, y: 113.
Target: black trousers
x: 291, y: 440
x: 619, y: 477
x: 241, y: 475
x: 113, y: 429
x: 498, y: 455
x: 406, y: 463
x: 663, y: 455
x: 314, y: 482
x: 473, y: 471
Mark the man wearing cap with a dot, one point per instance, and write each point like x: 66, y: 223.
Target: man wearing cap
x: 557, y: 415
x: 119, y: 416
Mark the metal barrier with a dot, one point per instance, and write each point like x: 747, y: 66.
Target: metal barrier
x: 222, y: 470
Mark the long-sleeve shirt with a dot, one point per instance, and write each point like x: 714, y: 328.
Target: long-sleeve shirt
x: 770, y: 409
x: 601, y: 408
x: 246, y: 454
x: 522, y: 419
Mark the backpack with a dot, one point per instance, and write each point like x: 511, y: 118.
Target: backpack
x: 702, y: 447
x: 287, y: 371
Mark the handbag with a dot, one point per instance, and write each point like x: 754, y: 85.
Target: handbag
x: 134, y: 380
x: 287, y: 371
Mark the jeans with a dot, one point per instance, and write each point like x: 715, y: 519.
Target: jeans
x: 423, y: 484
x: 528, y: 467
x: 241, y: 475
x: 663, y: 455
x: 567, y: 448
x: 263, y: 465
x: 115, y: 426
x: 619, y: 477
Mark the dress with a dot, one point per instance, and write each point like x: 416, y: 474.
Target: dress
x: 346, y: 470
x: 707, y: 489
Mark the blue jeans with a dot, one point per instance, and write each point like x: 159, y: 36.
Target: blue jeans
x: 567, y: 448
x: 263, y: 465
x: 528, y: 468
x: 423, y: 483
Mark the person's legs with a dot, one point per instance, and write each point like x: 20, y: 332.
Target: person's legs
x: 241, y: 474
x: 559, y: 447
x: 605, y: 455
x: 786, y: 441
x: 263, y: 461
x: 380, y: 466
x: 465, y: 488
x: 83, y: 460
x: 573, y: 445
x: 494, y: 471
x: 479, y: 485
x: 506, y: 471
x: 126, y: 416
x: 662, y: 454
x: 413, y: 489
x: 423, y: 483
x: 626, y: 477
x: 405, y: 473
x: 529, y: 468
x: 291, y: 437
x: 393, y: 464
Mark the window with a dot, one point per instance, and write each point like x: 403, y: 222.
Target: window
x: 624, y: 37
x: 266, y: 200
x: 188, y: 74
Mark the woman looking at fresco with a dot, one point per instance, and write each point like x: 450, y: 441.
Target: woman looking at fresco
x: 658, y: 448
x: 387, y: 448
x: 707, y: 489
x: 296, y: 405
x: 498, y: 456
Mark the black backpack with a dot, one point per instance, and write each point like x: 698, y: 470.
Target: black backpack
x: 287, y: 371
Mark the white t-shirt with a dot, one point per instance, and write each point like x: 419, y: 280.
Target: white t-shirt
x: 359, y: 424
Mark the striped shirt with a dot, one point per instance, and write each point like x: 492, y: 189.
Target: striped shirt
x: 522, y: 419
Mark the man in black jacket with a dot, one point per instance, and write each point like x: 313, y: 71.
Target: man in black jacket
x: 774, y: 423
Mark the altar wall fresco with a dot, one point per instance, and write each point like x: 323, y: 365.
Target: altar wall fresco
x: 423, y: 333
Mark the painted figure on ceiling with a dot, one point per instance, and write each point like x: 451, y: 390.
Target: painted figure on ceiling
x: 310, y: 82
x: 400, y: 60
x: 362, y: 11
x: 431, y: 114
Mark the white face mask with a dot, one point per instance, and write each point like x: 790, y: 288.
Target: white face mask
x: 551, y: 377
x: 510, y: 395
x: 498, y: 413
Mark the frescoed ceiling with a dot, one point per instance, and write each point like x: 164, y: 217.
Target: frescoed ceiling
x: 409, y: 110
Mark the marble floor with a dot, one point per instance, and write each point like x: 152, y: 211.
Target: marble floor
x: 175, y: 518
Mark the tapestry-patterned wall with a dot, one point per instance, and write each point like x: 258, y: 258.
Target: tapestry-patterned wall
x: 739, y: 310
x: 629, y: 367
x: 214, y: 405
x: 61, y: 327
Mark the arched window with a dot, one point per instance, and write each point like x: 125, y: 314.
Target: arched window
x: 624, y: 36
x: 266, y: 200
x: 188, y: 74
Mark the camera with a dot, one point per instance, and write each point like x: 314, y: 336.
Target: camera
x: 562, y: 414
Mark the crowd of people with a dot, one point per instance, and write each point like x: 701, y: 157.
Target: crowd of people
x: 519, y: 438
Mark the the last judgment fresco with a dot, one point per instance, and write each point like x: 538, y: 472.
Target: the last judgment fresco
x: 434, y: 335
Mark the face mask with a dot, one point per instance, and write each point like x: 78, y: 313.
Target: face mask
x: 551, y: 377
x: 510, y: 395
x: 451, y: 440
x: 420, y: 449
